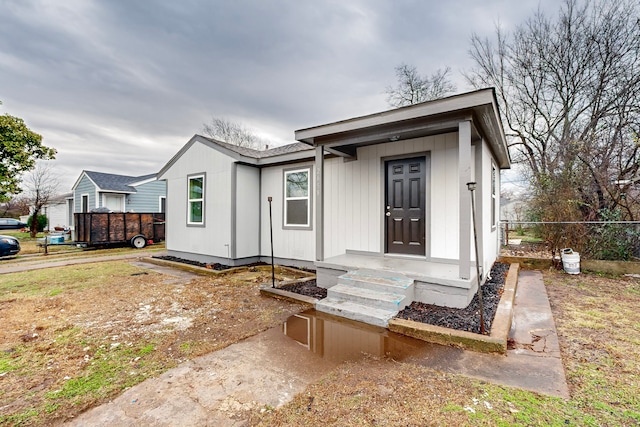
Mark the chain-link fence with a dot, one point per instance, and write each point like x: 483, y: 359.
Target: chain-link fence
x: 604, y: 240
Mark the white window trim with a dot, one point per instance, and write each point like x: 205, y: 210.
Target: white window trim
x: 190, y: 200
x: 160, y: 199
x: 494, y: 191
x: 308, y: 225
x: 82, y: 196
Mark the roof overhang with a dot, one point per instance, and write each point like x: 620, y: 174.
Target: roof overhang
x: 414, y: 121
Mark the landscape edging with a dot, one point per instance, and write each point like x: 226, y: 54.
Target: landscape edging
x: 496, y: 342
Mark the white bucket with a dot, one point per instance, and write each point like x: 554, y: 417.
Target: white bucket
x: 571, y: 261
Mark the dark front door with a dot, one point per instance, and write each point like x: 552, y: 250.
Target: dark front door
x: 405, y: 206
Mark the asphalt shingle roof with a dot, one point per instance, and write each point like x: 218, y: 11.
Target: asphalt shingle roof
x: 113, y: 182
x: 261, y: 154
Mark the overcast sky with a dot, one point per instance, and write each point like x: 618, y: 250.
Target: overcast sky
x: 120, y: 86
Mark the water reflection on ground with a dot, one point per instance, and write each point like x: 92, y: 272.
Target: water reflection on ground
x: 337, y: 339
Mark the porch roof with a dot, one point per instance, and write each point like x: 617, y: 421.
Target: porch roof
x: 427, y: 118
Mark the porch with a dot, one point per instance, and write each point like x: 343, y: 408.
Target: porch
x: 433, y: 282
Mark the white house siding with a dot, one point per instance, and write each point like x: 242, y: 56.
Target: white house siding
x: 354, y: 196
x: 212, y: 238
x: 288, y: 243
x: 147, y: 197
x: 247, y: 212
x: 85, y: 186
x: 57, y: 214
x: 490, y: 242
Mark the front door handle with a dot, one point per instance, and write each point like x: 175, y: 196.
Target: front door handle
x: 388, y: 214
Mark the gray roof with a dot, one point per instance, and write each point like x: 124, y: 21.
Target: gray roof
x: 119, y: 183
x: 262, y: 154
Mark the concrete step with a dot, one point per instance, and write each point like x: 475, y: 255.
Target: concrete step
x: 376, y: 280
x: 372, y: 298
x: 354, y: 311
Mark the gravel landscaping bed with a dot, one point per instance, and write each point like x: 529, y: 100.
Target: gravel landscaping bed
x: 214, y: 266
x: 307, y: 288
x: 463, y: 319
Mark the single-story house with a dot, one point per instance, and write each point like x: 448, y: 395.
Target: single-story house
x: 118, y: 193
x: 381, y: 198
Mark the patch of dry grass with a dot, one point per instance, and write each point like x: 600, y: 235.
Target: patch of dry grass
x: 74, y: 337
x: 597, y: 320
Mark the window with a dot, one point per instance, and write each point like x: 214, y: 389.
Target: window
x: 163, y: 204
x: 494, y: 173
x: 195, y: 215
x: 297, y: 202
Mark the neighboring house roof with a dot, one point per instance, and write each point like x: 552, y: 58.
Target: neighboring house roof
x: 115, y: 183
x: 286, y: 153
x: 60, y: 198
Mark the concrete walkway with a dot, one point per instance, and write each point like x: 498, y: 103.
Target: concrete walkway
x: 533, y: 361
x: 269, y: 369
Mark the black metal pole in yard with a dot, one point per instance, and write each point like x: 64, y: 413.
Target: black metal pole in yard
x: 273, y: 271
x: 472, y: 187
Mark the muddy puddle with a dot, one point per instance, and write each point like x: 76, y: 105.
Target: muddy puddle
x: 336, y: 339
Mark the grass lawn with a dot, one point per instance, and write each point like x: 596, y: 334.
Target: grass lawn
x: 75, y: 337
x: 598, y: 324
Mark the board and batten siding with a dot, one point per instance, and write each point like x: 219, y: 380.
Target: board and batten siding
x: 288, y: 243
x: 85, y: 186
x: 354, y: 196
x: 247, y: 224
x: 491, y: 232
x: 212, y: 238
x: 147, y: 197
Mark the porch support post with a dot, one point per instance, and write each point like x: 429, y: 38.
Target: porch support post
x: 319, y: 203
x: 464, y: 170
x: 479, y: 179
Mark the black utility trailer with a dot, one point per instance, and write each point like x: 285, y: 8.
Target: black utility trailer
x: 112, y: 229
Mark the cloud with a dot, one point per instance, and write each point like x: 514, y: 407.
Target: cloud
x: 121, y: 85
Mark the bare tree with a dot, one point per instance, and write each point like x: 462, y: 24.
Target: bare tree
x: 41, y: 185
x: 232, y: 133
x: 413, y: 88
x: 14, y: 207
x: 569, y: 90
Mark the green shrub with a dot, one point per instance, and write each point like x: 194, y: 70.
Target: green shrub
x: 41, y: 222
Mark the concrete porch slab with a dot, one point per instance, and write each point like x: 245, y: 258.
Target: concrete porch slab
x: 414, y: 268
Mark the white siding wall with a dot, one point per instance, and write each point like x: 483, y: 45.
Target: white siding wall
x: 247, y: 211
x: 212, y: 238
x: 491, y: 233
x: 287, y: 243
x: 354, y: 196
x: 57, y: 214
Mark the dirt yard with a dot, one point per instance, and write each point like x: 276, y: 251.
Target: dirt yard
x: 598, y: 325
x: 74, y: 337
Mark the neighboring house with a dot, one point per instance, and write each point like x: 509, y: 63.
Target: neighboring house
x: 513, y: 209
x: 59, y: 212
x: 384, y: 195
x: 118, y: 193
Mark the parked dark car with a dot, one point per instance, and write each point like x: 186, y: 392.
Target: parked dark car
x: 9, y: 245
x: 11, y: 224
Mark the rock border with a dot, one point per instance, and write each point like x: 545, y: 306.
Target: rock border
x: 496, y: 342
x: 204, y: 270
x: 266, y: 289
